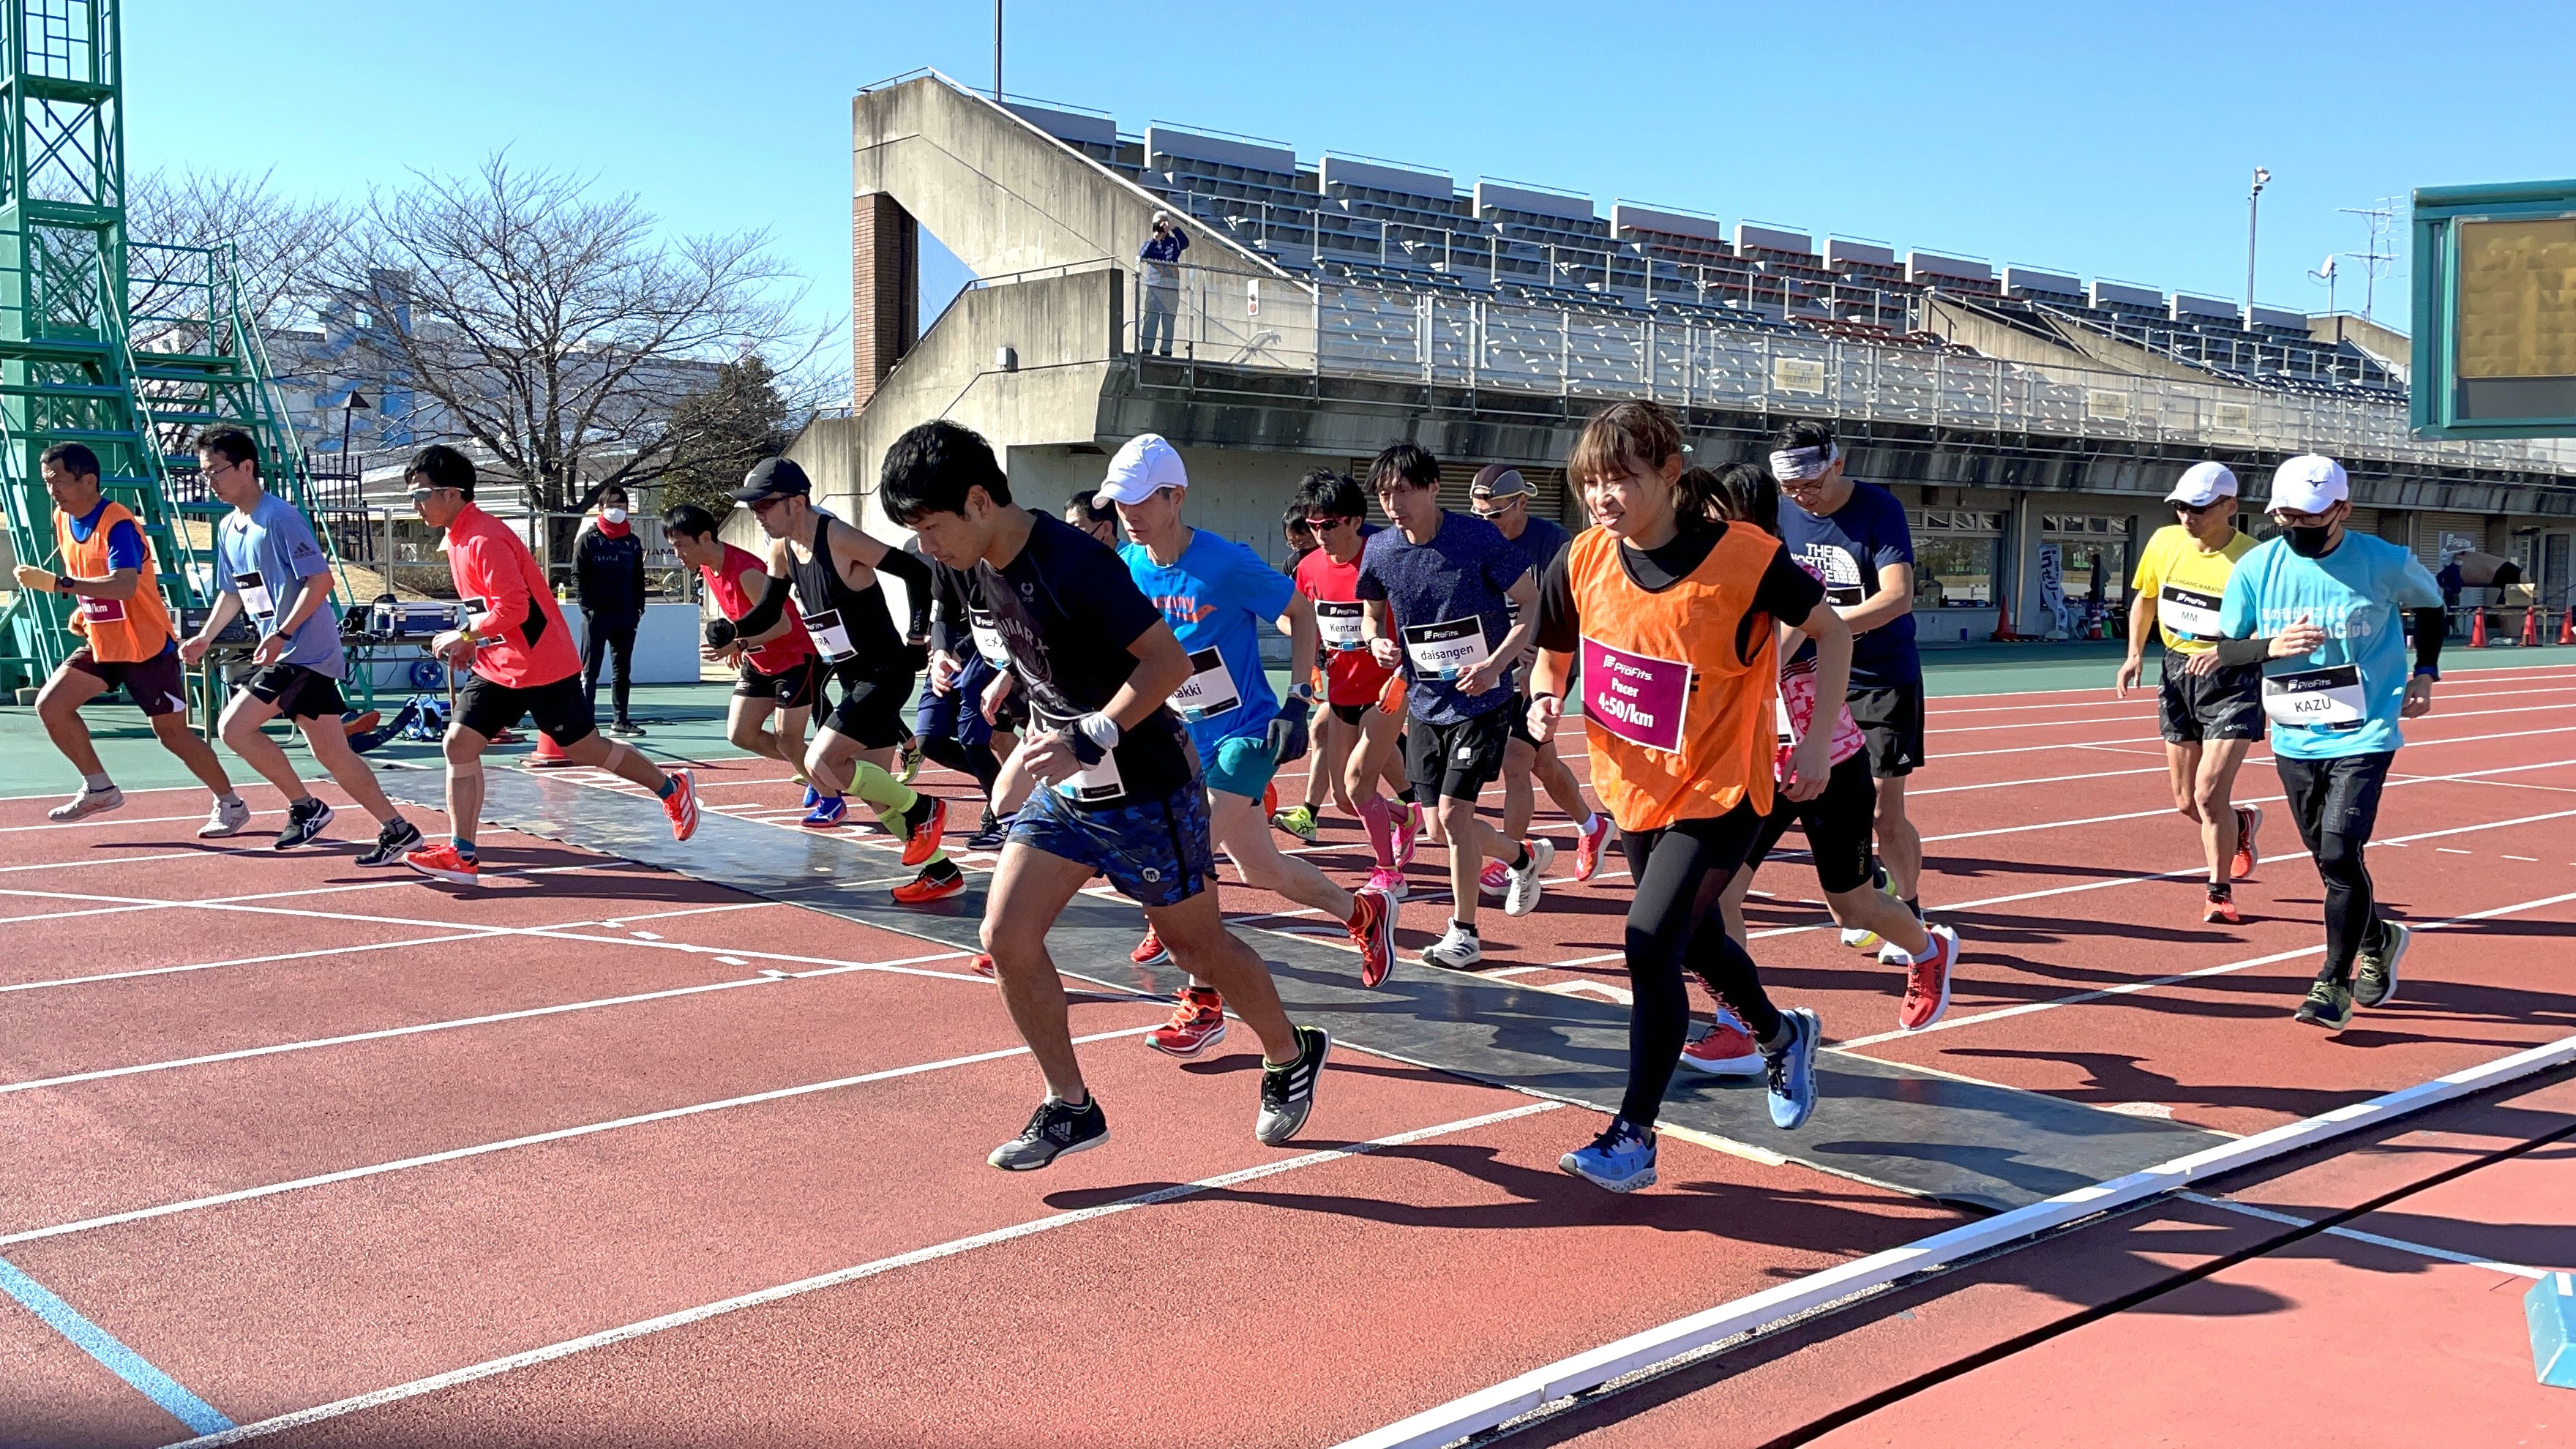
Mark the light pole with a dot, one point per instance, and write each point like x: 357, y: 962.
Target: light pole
x: 997, y: 52
x: 2253, y: 211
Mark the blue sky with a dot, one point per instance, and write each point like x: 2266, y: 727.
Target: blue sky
x: 2116, y: 144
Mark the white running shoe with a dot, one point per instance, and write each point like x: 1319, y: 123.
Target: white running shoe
x: 1521, y: 897
x: 227, y: 818
x: 1457, y: 949
x: 86, y: 804
x: 1388, y: 881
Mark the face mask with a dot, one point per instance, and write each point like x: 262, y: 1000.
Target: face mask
x: 612, y: 515
x: 2308, y: 542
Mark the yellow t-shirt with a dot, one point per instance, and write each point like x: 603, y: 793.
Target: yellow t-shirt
x: 2187, y: 583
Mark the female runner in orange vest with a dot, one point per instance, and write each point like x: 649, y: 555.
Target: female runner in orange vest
x: 1675, y: 614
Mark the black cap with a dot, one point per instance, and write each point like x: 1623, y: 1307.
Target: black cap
x: 772, y: 478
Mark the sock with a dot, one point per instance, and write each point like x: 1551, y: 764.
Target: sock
x: 1458, y: 925
x: 229, y: 797
x: 1591, y: 819
x: 1914, y: 906
x: 1377, y: 821
x: 889, y: 795
x: 95, y: 783
x: 1520, y: 861
x: 669, y: 784
x: 1778, y: 1041
x: 2220, y: 890
x: 464, y: 847
x: 940, y: 867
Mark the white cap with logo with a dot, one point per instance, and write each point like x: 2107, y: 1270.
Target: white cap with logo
x: 2203, y: 484
x: 2309, y: 483
x: 1143, y: 466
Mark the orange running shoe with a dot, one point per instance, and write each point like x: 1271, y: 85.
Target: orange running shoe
x: 1198, y: 1022
x: 441, y: 862
x: 1372, y: 926
x: 2249, y: 823
x: 682, y: 805
x: 1587, y: 851
x: 1151, y: 951
x: 1727, y: 1051
x: 923, y: 842
x: 1927, y: 982
x: 982, y: 966
x: 2221, y: 910
x: 930, y: 886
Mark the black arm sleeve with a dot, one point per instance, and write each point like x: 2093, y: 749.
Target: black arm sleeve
x: 1787, y: 592
x: 2430, y: 626
x: 764, y: 615
x: 947, y: 609
x: 1558, y: 628
x: 2233, y: 652
x: 916, y: 587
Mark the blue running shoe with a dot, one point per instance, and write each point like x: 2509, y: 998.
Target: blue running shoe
x: 1621, y: 1159
x: 827, y: 812
x: 813, y: 797
x: 1791, y: 1071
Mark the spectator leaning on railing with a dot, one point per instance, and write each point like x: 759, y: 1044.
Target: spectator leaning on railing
x: 1161, y: 260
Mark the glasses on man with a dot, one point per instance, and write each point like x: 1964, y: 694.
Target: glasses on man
x: 2197, y: 509
x: 1322, y: 524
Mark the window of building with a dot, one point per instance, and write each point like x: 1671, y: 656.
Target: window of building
x: 1956, y: 553
x: 2093, y: 555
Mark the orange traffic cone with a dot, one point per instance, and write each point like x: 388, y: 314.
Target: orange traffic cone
x: 2003, y: 624
x: 2478, y: 629
x: 2567, y: 626
x: 2531, y: 627
x: 549, y: 755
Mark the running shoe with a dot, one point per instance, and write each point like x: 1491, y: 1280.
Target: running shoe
x: 2249, y: 823
x: 1198, y: 1022
x: 1299, y: 822
x: 1288, y: 1093
x: 2329, y: 1005
x: 86, y: 804
x: 358, y: 722
x: 682, y: 805
x: 813, y: 797
x: 227, y: 818
x: 304, y: 821
x: 921, y: 838
x: 935, y: 883
x: 1495, y: 879
x: 441, y: 862
x: 1270, y: 798
x: 983, y: 966
x: 1372, y: 927
x: 1727, y: 1051
x: 1587, y: 851
x: 910, y: 758
x: 1151, y: 951
x: 2220, y: 909
x: 1621, y: 1159
x: 1054, y: 1129
x: 826, y: 812
x: 1409, y: 839
x: 1387, y: 881
x: 2375, y: 967
x: 989, y: 833
x: 1791, y: 1070
x: 394, y: 840
x: 624, y: 729
x: 1522, y: 898
x: 1927, y: 981
x: 1862, y: 938
x: 1456, y: 949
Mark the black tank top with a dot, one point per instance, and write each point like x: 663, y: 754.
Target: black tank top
x: 852, y: 628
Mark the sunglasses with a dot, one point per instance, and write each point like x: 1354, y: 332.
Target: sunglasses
x: 763, y: 505
x: 1325, y: 525
x: 2197, y: 509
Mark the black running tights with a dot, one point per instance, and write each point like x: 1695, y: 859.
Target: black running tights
x: 976, y: 760
x: 2336, y: 805
x: 1674, y: 921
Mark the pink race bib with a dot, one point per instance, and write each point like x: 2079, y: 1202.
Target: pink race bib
x: 1636, y: 697
x: 1797, y: 706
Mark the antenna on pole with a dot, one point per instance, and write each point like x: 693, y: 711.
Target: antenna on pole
x: 997, y: 52
x: 2382, y: 221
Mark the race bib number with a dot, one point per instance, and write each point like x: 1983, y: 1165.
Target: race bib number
x: 102, y: 611
x: 988, y: 638
x: 2187, y: 614
x: 1342, y: 627
x: 1793, y: 710
x: 1637, y: 697
x: 2317, y: 698
x: 1445, y: 651
x: 1209, y: 691
x: 469, y: 610
x: 831, y: 636
x: 1091, y: 786
x: 255, y: 596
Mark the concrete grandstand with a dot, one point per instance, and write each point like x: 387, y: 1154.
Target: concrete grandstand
x: 1329, y: 307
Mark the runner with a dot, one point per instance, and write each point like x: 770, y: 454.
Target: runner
x: 1115, y: 789
x: 777, y: 676
x: 969, y: 711
x: 1356, y: 740
x: 1438, y: 588
x: 1674, y: 612
x: 1853, y: 535
x: 1299, y: 531
x: 2209, y: 722
x: 1500, y: 496
x: 1218, y: 596
x: 126, y: 639
x: 269, y: 565
x: 831, y: 570
x: 511, y: 633
x: 1836, y: 823
x: 2335, y: 685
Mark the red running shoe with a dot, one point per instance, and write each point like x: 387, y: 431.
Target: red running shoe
x: 1372, y: 926
x: 441, y: 862
x: 923, y: 843
x: 1727, y: 1051
x: 983, y: 966
x: 2249, y: 823
x: 1198, y: 1022
x: 1151, y: 951
x: 2221, y: 911
x: 924, y: 888
x: 1587, y: 851
x: 1927, y: 982
x: 682, y: 805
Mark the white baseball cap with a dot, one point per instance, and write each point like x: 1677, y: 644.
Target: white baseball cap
x: 1144, y: 466
x: 2309, y: 483
x: 2204, y: 484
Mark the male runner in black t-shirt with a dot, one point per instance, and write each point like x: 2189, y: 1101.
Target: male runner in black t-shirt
x: 1117, y: 789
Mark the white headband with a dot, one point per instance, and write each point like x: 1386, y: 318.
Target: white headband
x: 1800, y: 464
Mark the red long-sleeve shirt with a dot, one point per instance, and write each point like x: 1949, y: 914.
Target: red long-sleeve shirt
x: 520, y: 639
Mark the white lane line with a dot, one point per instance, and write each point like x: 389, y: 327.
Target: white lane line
x: 464, y: 933
x: 109, y: 860
x: 2420, y: 1250
x: 2557, y: 673
x: 560, y: 1134
x: 112, y: 818
x: 2159, y: 770
x: 837, y: 1278
x: 2471, y: 777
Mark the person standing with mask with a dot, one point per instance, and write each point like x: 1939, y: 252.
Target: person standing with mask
x: 608, y: 568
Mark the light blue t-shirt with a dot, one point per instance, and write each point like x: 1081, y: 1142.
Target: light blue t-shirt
x: 1218, y: 596
x: 265, y: 559
x: 2356, y: 683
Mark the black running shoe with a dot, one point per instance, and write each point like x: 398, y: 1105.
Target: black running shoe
x: 304, y: 821
x: 395, y: 837
x: 1054, y: 1129
x: 1288, y: 1093
x: 2329, y: 1005
x: 2375, y: 966
x: 989, y: 835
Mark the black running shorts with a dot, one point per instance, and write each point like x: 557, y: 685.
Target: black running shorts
x: 1838, y: 825
x: 2339, y: 796
x: 791, y: 688
x: 2228, y: 705
x: 561, y: 709
x: 1456, y: 761
x: 1891, y: 720
x: 158, y: 685
x: 872, y: 711
x: 298, y: 692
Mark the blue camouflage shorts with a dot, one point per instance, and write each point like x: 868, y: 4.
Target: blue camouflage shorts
x: 1156, y: 852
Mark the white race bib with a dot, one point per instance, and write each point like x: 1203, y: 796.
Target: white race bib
x: 2187, y: 614
x: 1098, y: 783
x: 1447, y: 650
x: 1342, y: 627
x: 988, y: 638
x: 830, y: 635
x: 1209, y: 691
x: 2330, y: 698
x: 255, y: 596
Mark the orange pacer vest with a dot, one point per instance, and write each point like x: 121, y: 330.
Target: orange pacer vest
x: 1681, y: 727
x: 120, y: 631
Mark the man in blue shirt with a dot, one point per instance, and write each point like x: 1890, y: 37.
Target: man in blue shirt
x: 269, y: 565
x: 1442, y: 590
x: 1161, y: 263
x: 1218, y: 596
x: 2321, y: 607
x: 1853, y: 536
